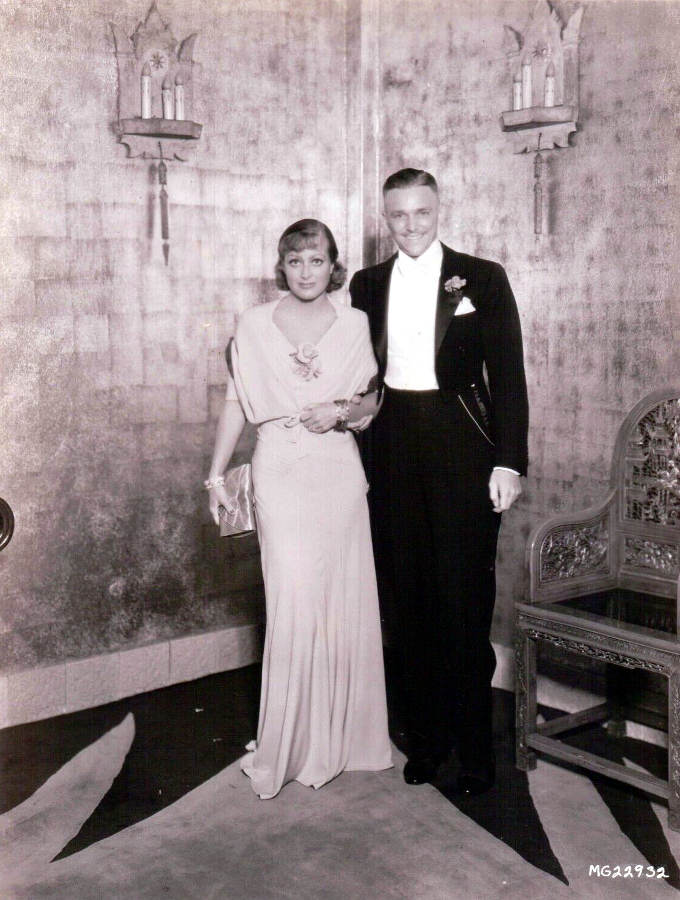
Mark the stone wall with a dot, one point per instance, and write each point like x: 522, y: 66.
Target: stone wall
x: 112, y: 362
x: 598, y: 293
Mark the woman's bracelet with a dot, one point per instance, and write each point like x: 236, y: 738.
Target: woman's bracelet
x: 211, y: 483
x: 342, y: 407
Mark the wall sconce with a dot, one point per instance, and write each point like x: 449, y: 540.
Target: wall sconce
x: 544, y: 78
x: 156, y: 98
x: 155, y: 90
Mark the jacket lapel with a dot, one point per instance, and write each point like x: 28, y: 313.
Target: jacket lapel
x: 445, y: 309
x: 380, y: 308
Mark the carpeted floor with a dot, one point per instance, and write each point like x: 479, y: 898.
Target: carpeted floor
x: 143, y: 799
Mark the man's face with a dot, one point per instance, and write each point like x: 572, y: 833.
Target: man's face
x: 412, y: 215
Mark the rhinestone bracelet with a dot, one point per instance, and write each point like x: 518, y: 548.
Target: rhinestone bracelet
x: 211, y: 483
x: 342, y: 406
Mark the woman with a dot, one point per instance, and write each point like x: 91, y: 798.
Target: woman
x: 296, y: 364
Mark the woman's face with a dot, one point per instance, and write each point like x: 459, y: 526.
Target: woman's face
x: 308, y: 271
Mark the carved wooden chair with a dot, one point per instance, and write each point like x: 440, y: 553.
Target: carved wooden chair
x: 604, y: 584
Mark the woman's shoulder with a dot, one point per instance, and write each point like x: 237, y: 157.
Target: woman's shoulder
x: 255, y: 315
x: 353, y: 316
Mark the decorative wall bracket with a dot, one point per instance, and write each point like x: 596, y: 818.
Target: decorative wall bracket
x: 155, y: 90
x: 6, y: 523
x: 544, y: 66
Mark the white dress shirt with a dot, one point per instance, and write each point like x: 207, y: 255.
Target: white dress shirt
x: 411, y: 317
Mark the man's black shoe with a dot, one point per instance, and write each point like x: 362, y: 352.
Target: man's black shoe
x: 421, y: 769
x: 468, y: 785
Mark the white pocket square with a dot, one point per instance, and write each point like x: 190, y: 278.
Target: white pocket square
x: 464, y: 307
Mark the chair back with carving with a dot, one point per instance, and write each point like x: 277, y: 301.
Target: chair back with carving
x: 631, y: 539
x: 646, y: 473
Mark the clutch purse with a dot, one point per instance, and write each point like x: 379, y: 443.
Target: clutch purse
x: 238, y: 519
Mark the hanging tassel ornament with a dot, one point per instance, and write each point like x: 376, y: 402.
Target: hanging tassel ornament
x: 163, y: 197
x: 538, y: 194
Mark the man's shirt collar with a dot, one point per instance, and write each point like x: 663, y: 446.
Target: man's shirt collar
x: 427, y: 263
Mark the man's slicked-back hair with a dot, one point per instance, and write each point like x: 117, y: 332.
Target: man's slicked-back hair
x: 406, y: 178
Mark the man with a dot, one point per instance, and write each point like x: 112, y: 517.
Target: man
x: 447, y: 452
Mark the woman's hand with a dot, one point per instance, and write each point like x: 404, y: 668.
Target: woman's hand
x: 229, y: 428
x: 319, y: 417
x: 217, y: 497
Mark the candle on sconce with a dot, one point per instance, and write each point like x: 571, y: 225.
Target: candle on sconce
x: 166, y: 93
x: 549, y: 92
x: 517, y: 91
x: 179, y: 96
x: 526, y: 81
x: 146, y: 92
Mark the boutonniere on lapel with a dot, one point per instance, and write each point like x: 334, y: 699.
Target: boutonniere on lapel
x: 454, y: 286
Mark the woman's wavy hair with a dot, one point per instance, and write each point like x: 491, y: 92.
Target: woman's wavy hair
x: 302, y: 235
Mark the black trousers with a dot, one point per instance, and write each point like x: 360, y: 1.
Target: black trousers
x: 435, y: 536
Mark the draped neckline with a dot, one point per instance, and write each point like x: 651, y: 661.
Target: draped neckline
x: 313, y: 343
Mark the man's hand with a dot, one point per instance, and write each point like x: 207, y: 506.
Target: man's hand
x: 362, y: 423
x: 504, y: 489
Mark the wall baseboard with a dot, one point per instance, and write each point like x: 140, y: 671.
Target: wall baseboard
x: 46, y: 691
x: 40, y: 693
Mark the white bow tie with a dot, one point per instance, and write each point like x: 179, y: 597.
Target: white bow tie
x: 419, y: 267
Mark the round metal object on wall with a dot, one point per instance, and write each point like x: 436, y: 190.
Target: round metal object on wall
x: 6, y: 523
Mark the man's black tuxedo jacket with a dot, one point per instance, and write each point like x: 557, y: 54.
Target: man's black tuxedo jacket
x: 490, y: 336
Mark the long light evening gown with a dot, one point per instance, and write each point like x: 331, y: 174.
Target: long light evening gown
x: 322, y: 706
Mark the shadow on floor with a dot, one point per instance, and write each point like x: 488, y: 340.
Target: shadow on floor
x: 185, y: 734
x: 189, y: 732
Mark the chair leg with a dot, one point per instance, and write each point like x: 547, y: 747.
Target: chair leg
x: 674, y: 750
x: 616, y: 692
x: 525, y: 699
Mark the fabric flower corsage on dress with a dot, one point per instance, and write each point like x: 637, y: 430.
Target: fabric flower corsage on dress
x: 306, y: 362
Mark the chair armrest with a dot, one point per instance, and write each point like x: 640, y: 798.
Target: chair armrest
x: 572, y: 554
